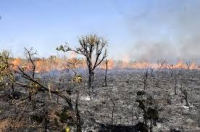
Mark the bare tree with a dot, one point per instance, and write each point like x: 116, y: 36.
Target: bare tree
x: 175, y: 83
x: 174, y: 74
x: 30, y: 55
x: 151, y: 71
x: 36, y: 86
x: 188, y: 64
x: 161, y: 63
x: 184, y: 92
x: 93, y: 48
x: 170, y: 69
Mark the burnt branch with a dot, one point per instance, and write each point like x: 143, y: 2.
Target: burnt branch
x: 41, y: 87
x: 31, y: 78
x: 30, y: 56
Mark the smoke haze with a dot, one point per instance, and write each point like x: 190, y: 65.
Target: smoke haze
x: 167, y: 29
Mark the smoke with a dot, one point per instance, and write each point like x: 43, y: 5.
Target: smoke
x: 153, y: 51
x: 169, y: 30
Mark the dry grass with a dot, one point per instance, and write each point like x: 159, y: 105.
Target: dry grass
x: 7, y: 123
x: 4, y: 124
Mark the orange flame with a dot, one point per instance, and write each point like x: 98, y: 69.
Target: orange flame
x: 16, y: 62
x: 56, y: 63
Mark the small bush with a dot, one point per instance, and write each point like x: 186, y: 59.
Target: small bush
x: 37, y: 118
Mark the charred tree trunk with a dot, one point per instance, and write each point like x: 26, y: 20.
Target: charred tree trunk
x: 151, y: 125
x: 105, y: 80
x: 78, y: 118
x: 12, y: 86
x: 175, y: 85
x: 29, y: 95
x: 91, y: 79
x: 145, y: 117
x: 185, y: 96
x: 145, y: 79
x: 186, y: 100
x: 46, y: 121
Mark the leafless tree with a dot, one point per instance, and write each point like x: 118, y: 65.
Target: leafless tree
x: 171, y: 70
x: 151, y: 71
x: 30, y: 55
x: 36, y: 86
x: 161, y: 63
x: 174, y: 74
x: 188, y: 64
x: 175, y: 83
x: 93, y: 48
x: 184, y: 95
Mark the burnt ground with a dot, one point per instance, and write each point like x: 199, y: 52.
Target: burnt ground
x: 117, y: 100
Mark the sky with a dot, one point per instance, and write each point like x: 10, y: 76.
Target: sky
x: 134, y: 29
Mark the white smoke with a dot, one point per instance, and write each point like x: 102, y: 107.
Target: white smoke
x: 170, y: 29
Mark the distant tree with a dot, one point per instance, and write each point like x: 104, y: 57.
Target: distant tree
x: 161, y: 63
x: 188, y: 64
x: 73, y: 64
x: 93, y: 48
x: 174, y: 75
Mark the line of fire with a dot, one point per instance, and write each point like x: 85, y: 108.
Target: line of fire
x: 58, y: 63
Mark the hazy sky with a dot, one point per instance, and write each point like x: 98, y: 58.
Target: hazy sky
x: 138, y: 29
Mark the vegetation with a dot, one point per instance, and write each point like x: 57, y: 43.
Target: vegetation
x: 59, y: 102
x: 147, y: 104
x: 6, y: 75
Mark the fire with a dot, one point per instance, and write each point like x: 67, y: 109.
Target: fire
x: 56, y: 63
x: 187, y: 65
x: 42, y: 66
x: 194, y: 66
x: 125, y: 61
x: 16, y: 62
x: 142, y: 65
